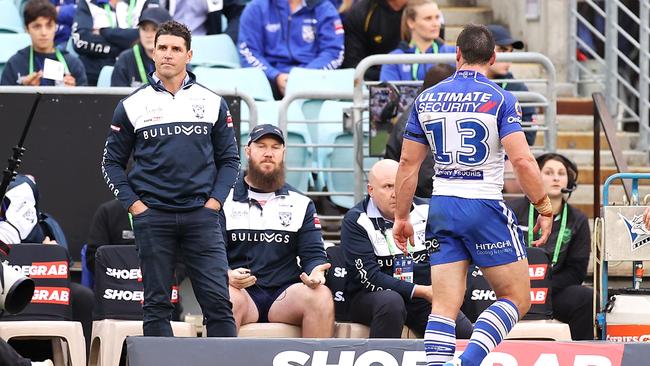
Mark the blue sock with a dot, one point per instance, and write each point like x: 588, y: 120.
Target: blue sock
x: 490, y: 329
x: 439, y: 340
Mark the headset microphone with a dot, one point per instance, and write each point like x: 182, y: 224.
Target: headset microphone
x: 568, y: 190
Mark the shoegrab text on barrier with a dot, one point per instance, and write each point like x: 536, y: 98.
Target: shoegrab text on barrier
x: 369, y: 352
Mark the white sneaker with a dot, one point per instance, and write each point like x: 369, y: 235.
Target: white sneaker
x: 454, y: 362
x: 43, y: 363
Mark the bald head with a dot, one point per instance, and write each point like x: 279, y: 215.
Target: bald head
x: 386, y: 168
x: 381, y: 186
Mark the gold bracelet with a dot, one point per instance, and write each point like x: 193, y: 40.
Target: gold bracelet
x: 544, y: 206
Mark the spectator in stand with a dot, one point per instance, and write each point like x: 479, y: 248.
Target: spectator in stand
x: 501, y: 70
x: 371, y: 29
x: 102, y: 29
x: 387, y: 289
x: 268, y: 225
x: 268, y: 41
x: 420, y: 32
x: 135, y: 63
x: 27, y: 65
x: 204, y: 16
x: 435, y: 74
x: 569, y: 244
x: 65, y: 10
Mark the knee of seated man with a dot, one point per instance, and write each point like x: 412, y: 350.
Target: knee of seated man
x: 320, y: 298
x: 390, y: 303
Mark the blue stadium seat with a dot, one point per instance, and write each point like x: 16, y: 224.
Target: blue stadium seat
x: 10, y: 20
x: 216, y: 50
x: 343, y: 157
x: 301, y: 79
x: 11, y: 43
x: 251, y: 81
x: 105, y: 74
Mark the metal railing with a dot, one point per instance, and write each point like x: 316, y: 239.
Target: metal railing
x: 549, y: 100
x: 622, y: 75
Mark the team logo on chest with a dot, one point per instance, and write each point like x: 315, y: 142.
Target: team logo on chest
x: 199, y: 110
x: 308, y: 33
x: 285, y: 218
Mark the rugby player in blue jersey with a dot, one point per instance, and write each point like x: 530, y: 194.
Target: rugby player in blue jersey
x: 469, y: 121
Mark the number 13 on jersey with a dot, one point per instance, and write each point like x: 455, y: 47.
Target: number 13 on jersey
x: 464, y: 142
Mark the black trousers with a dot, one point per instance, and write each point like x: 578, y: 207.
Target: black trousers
x: 82, y: 300
x: 162, y: 236
x: 574, y: 305
x: 386, y: 312
x: 9, y: 357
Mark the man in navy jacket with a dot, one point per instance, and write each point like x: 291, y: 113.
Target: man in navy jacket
x: 185, y: 163
x: 388, y: 290
x: 268, y: 225
x: 278, y: 35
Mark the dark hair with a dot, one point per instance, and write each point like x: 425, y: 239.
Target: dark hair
x: 476, y: 44
x: 571, y: 167
x: 35, y: 9
x: 174, y: 28
x: 436, y: 74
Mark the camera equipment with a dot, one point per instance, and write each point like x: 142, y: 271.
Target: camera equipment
x: 16, y: 290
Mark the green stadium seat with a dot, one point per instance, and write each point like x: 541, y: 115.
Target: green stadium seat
x: 10, y: 20
x: 104, y: 79
x: 251, y: 81
x: 216, y: 50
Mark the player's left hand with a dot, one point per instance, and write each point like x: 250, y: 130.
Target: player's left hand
x: 69, y: 80
x: 646, y: 218
x: 545, y: 223
x: 402, y: 234
x: 316, y: 277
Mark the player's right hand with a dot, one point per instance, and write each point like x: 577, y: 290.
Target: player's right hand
x: 402, y: 234
x: 33, y: 79
x: 241, y: 278
x: 545, y: 223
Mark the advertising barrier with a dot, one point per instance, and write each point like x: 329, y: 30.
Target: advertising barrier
x: 368, y: 352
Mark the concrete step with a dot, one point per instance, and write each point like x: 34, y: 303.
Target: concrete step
x: 586, y: 157
x: 586, y: 175
x: 451, y: 33
x: 527, y: 71
x: 450, y: 3
x: 575, y: 105
x: 461, y: 15
x: 562, y: 90
x: 585, y: 140
x: 571, y: 123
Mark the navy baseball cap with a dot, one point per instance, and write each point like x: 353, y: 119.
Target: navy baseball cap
x: 265, y: 130
x: 154, y: 14
x: 502, y: 37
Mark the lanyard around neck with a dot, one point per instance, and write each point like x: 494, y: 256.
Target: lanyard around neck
x: 560, y: 235
x: 415, y: 67
x: 129, y: 14
x: 57, y: 53
x: 139, y: 63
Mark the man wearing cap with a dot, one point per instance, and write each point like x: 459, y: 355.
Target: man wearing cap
x: 501, y: 70
x: 268, y: 225
x: 133, y: 64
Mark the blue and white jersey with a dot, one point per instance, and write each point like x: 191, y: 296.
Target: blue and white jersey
x: 463, y: 119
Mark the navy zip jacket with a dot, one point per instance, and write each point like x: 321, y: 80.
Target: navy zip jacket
x: 125, y: 71
x: 267, y: 238
x: 183, y: 146
x: 368, y: 256
x: 273, y: 39
x: 116, y: 33
x: 17, y: 67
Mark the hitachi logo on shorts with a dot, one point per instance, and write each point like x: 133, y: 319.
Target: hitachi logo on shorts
x: 45, y: 269
x: 257, y: 237
x: 51, y: 295
x: 124, y: 274
x: 492, y: 246
x: 175, y: 130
